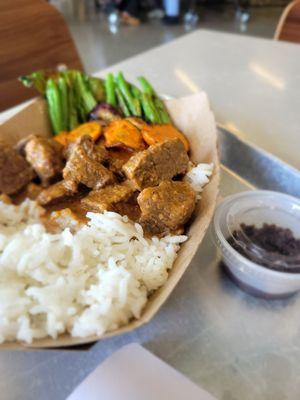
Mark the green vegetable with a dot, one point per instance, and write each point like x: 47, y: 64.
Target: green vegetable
x: 136, y: 92
x: 138, y: 107
x: 161, y: 108
x: 84, y: 97
x: 149, y: 109
x: 110, y: 90
x: 71, y: 95
x: 73, y: 117
x: 156, y: 112
x: 132, y: 103
x: 147, y: 88
x: 69, y: 76
x: 97, y: 88
x: 37, y: 80
x: 54, y: 106
x: 64, y: 99
x: 122, y: 103
x: 158, y: 103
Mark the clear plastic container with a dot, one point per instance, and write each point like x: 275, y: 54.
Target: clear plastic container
x: 256, y: 208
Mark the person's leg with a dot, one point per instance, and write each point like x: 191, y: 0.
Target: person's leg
x: 130, y: 9
x: 130, y: 6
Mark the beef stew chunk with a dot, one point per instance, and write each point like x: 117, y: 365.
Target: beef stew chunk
x: 84, y: 166
x: 15, y: 172
x: 45, y: 157
x: 31, y: 191
x: 158, y: 163
x: 97, y: 151
x: 116, y: 160
x: 100, y: 153
x: 107, y: 199
x: 55, y: 194
x: 167, y: 207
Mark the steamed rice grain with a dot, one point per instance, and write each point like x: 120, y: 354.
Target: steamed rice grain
x: 198, y: 177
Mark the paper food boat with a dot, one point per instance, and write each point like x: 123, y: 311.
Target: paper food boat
x: 192, y: 115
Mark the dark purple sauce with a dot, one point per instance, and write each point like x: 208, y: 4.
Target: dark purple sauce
x: 271, y: 246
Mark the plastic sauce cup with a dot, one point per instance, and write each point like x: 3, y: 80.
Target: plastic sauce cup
x: 256, y: 208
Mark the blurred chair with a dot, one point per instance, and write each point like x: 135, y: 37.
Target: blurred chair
x: 288, y: 28
x: 33, y: 35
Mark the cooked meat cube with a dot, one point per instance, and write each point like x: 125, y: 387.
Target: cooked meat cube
x: 166, y: 207
x: 65, y: 218
x: 67, y: 150
x: 86, y: 171
x: 31, y: 191
x: 158, y: 163
x: 107, y: 198
x: 96, y: 152
x: 54, y: 194
x: 45, y: 157
x: 15, y: 172
x: 130, y: 208
x: 116, y: 160
x: 84, y: 166
x: 101, y: 154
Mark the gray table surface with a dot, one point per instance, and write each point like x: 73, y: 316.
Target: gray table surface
x: 235, y: 346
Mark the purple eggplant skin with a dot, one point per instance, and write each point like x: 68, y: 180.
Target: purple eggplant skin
x: 105, y: 112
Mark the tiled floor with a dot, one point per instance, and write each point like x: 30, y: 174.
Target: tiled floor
x: 100, y: 47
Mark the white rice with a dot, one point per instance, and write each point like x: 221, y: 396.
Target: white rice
x: 84, y: 283
x: 198, y: 177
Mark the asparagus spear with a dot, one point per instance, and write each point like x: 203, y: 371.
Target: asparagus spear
x: 135, y: 91
x: 150, y: 111
x: 36, y: 79
x: 147, y: 109
x: 85, y: 97
x: 54, y: 106
x: 138, y: 108
x: 133, y: 104
x: 158, y: 103
x: 122, y: 103
x: 64, y: 99
x: 110, y: 90
x: 73, y: 117
x: 147, y: 88
x: 97, y: 88
x: 163, y: 113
